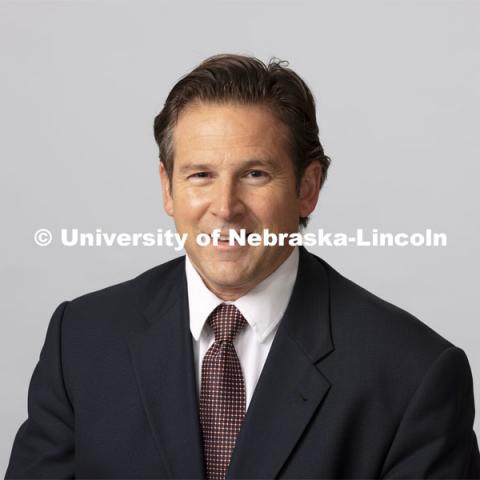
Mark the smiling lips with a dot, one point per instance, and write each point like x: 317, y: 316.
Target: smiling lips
x: 225, y: 236
x: 224, y: 244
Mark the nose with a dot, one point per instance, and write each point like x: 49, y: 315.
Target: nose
x: 227, y: 204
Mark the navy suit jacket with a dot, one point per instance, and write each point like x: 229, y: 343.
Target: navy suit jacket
x: 353, y: 387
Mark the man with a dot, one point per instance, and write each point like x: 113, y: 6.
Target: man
x: 244, y: 361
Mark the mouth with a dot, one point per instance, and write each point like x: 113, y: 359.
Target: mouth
x: 224, y: 243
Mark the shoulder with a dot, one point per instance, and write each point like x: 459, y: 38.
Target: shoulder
x: 122, y: 303
x: 377, y: 331
x: 382, y: 350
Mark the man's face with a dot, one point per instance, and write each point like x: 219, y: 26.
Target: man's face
x: 232, y: 169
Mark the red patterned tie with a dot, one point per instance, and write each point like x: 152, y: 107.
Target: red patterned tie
x: 222, y: 391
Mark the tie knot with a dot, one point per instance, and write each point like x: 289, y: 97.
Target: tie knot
x: 226, y: 321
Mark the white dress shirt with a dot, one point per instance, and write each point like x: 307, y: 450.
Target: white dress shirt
x: 263, y: 308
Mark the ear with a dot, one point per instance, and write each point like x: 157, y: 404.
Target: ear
x: 167, y: 197
x: 310, y: 188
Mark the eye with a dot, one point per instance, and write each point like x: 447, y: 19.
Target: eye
x: 257, y: 173
x: 200, y: 178
x: 200, y: 175
x: 257, y: 177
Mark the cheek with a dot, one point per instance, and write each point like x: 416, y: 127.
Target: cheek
x: 275, y: 207
x: 189, y: 204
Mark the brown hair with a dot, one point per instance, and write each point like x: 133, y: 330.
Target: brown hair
x: 230, y: 78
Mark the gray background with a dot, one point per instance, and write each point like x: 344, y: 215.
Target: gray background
x: 397, y: 86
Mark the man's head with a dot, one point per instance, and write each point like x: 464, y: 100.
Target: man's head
x: 239, y: 148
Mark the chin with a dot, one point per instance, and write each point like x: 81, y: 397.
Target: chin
x: 229, y: 278
x: 232, y: 280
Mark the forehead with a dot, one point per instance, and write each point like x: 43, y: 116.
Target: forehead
x: 229, y: 128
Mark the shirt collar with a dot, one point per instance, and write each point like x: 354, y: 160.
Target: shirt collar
x: 263, y: 306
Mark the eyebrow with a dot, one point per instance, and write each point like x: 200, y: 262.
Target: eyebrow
x: 255, y: 162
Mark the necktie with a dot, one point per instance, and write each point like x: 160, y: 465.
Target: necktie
x: 222, y: 391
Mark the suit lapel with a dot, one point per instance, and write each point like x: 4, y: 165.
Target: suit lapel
x: 291, y: 387
x: 163, y: 361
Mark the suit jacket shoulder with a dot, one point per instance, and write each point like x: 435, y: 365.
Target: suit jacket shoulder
x: 381, y: 343
x: 110, y: 305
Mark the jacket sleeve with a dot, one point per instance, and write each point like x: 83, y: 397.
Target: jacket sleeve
x: 435, y: 438
x: 44, y: 444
